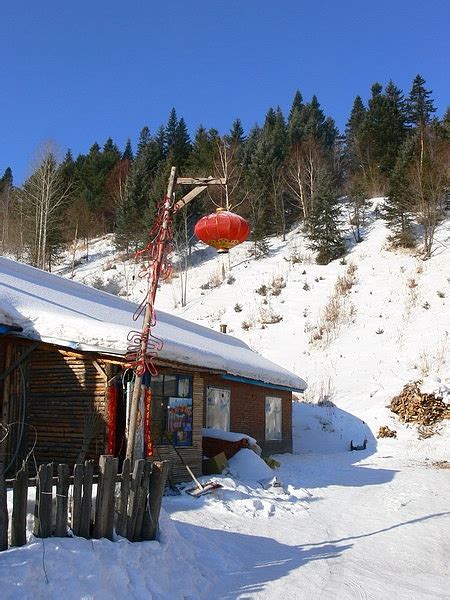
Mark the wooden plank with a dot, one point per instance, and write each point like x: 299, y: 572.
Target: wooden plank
x: 134, y: 497
x: 104, y: 511
x: 19, y: 360
x: 62, y: 500
x: 99, y: 370
x: 3, y: 510
x: 19, y: 514
x: 78, y: 475
x: 141, y: 504
x: 5, y: 406
x: 44, y: 502
x: 157, y: 485
x: 86, y: 502
x: 121, y: 526
x: 201, y: 180
x: 188, y: 197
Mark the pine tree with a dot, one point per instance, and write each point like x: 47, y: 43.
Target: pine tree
x: 128, y: 152
x: 201, y: 159
x: 295, y: 122
x: 445, y: 124
x: 323, y: 226
x: 353, y: 137
x: 237, y: 134
x: 160, y: 139
x: 136, y: 214
x: 316, y: 126
x: 170, y: 133
x: 420, y: 105
x: 7, y: 179
x: 373, y: 141
x: 6, y: 204
x: 398, y: 208
x: 181, y: 147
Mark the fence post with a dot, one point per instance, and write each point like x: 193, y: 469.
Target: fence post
x: 121, y: 527
x: 141, y: 504
x: 20, y: 502
x: 78, y: 472
x: 62, y: 500
x: 86, y: 502
x: 104, y: 508
x: 134, y: 497
x: 3, y: 510
x: 44, y: 502
x: 157, y: 485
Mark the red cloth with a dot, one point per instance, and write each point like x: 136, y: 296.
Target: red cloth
x: 214, y: 446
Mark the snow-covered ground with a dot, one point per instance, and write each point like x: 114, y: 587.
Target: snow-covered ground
x: 365, y: 524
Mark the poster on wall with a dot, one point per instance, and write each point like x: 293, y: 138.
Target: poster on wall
x: 179, y: 421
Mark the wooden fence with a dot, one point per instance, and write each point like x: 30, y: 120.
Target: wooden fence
x: 66, y: 503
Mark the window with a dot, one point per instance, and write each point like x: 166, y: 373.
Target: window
x: 172, y: 409
x: 218, y: 408
x: 273, y: 418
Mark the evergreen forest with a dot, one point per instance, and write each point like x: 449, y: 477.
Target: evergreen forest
x: 292, y: 167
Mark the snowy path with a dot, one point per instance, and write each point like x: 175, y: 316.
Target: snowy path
x: 368, y: 530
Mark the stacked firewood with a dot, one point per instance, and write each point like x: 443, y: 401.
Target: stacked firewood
x: 412, y: 406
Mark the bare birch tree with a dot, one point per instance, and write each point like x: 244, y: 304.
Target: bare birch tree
x: 429, y: 176
x: 43, y: 196
x: 302, y: 169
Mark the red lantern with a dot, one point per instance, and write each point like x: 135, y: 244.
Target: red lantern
x: 222, y: 230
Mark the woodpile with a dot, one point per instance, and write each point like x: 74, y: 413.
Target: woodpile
x: 385, y: 432
x: 412, y: 406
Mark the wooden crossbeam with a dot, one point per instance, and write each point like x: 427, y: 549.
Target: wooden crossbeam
x: 19, y: 360
x: 201, y: 180
x: 189, y: 196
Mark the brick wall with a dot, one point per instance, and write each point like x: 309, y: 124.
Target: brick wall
x: 247, y: 412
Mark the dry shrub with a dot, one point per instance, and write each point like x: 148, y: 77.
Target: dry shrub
x: 215, y: 280
x: 277, y: 284
x: 385, y: 432
x: 267, y: 316
x: 298, y: 257
x: 432, y: 360
x: 337, y: 311
x: 333, y: 310
x: 321, y: 393
x: 344, y: 283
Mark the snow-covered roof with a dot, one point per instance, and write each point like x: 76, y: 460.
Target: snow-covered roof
x: 67, y: 313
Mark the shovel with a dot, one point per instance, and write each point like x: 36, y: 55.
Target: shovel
x: 199, y: 490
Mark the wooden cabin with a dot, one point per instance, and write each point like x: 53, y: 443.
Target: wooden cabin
x: 65, y: 386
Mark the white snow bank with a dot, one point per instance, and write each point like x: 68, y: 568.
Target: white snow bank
x: 434, y: 385
x: 81, y: 569
x: 246, y: 465
x: 65, y: 312
x: 229, y: 436
x: 326, y: 429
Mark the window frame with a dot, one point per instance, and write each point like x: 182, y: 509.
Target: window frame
x: 160, y: 416
x: 279, y: 412
x: 220, y: 389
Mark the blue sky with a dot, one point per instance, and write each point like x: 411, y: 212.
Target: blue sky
x: 81, y: 72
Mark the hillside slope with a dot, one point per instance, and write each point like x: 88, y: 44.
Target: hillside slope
x: 388, y: 323
x: 347, y: 525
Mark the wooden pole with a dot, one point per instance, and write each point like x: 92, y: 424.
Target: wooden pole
x: 148, y: 315
x: 3, y: 511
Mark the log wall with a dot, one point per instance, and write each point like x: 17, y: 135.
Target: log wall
x: 14, y: 395
x: 67, y: 398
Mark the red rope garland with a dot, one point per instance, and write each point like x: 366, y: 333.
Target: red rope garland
x: 156, y: 267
